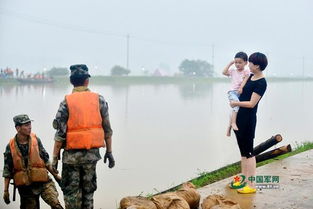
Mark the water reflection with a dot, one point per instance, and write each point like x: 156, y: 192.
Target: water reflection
x: 163, y: 133
x: 194, y: 90
x: 6, y: 89
x: 19, y: 90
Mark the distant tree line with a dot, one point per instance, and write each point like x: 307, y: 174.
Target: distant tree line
x: 58, y: 71
x: 196, y: 68
x: 119, y: 71
x: 187, y: 67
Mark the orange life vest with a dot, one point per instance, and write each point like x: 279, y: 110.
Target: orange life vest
x: 84, y: 125
x: 36, y: 169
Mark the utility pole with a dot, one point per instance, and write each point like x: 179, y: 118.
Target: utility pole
x: 303, y: 66
x: 127, y: 51
x: 212, y: 56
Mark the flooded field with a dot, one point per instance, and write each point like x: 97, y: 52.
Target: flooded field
x: 164, y: 134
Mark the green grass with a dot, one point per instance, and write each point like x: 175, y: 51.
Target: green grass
x: 111, y: 80
x: 206, y: 178
x: 8, y: 81
x: 288, y: 79
x: 143, y: 80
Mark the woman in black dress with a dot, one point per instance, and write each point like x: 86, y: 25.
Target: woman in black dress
x: 246, y: 118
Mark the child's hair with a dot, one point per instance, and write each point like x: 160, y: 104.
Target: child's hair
x: 242, y: 56
x: 259, y: 59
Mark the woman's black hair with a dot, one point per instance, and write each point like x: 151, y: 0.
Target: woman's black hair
x: 259, y: 59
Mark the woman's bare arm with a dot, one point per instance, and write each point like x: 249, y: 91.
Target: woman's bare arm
x: 255, y: 98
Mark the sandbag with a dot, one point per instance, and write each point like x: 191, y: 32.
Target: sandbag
x: 219, y: 202
x: 189, y: 193
x: 136, y: 203
x: 170, y: 201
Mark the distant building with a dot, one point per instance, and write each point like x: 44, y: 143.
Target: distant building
x: 159, y: 73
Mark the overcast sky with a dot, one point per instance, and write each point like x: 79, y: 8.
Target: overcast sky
x: 38, y: 34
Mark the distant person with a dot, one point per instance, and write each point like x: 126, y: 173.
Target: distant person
x: 239, y: 75
x: 9, y: 73
x: 17, y: 72
x: 246, y: 118
x: 5, y: 72
x: 27, y: 162
x: 36, y: 76
x: 22, y: 74
x: 82, y: 127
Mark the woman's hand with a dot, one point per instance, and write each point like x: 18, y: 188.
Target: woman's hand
x: 232, y: 104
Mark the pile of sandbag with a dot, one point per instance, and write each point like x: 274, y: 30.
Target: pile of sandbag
x: 186, y: 197
x: 136, y: 203
x: 163, y: 201
x: 189, y: 193
x: 170, y: 200
x: 219, y: 202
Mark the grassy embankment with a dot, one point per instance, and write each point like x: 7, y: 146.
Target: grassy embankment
x: 125, y: 80
x: 141, y: 80
x: 206, y: 178
x: 111, y: 80
x: 8, y: 81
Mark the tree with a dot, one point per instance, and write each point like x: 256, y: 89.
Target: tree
x: 120, y: 71
x: 58, y: 71
x: 196, y: 68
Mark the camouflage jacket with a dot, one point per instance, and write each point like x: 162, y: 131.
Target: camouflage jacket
x: 60, y: 124
x: 8, y: 160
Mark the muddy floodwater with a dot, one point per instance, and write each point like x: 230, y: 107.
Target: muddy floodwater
x: 162, y: 134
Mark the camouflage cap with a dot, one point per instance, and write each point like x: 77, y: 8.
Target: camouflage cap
x: 78, y: 70
x: 21, y: 119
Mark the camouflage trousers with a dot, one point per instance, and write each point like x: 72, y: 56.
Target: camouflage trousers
x: 78, y: 185
x: 29, y: 195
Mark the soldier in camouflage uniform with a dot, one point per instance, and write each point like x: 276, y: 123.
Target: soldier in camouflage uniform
x: 82, y: 126
x: 29, y: 187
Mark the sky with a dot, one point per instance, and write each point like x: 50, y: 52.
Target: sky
x: 36, y: 35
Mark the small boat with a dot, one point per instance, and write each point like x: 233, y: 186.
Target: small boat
x: 34, y: 80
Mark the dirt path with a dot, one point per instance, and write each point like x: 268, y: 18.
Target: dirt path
x: 295, y: 185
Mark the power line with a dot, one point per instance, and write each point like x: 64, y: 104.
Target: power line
x: 127, y: 51
x: 78, y: 28
x: 65, y: 26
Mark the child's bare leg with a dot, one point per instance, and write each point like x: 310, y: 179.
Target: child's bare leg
x: 228, y: 132
x: 233, y: 121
